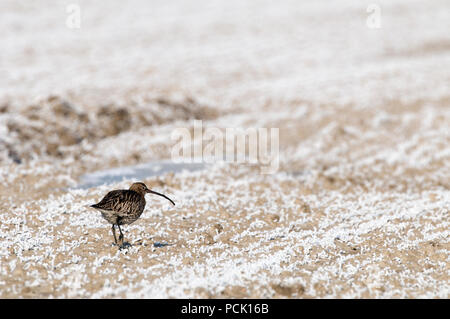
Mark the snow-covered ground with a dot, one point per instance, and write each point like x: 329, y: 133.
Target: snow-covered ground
x: 359, y: 206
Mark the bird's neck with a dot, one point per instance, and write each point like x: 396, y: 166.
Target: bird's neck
x: 142, y: 193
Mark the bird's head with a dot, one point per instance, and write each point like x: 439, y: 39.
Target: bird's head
x: 142, y: 189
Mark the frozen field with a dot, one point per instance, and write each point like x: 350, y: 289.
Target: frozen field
x: 359, y: 207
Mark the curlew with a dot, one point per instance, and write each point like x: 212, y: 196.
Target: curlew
x: 124, y: 206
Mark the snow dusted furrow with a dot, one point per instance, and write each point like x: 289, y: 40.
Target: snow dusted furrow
x: 358, y: 207
x: 338, y: 232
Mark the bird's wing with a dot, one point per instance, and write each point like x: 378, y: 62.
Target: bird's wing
x: 120, y: 201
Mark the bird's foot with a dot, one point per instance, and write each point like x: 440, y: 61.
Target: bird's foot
x: 125, y: 245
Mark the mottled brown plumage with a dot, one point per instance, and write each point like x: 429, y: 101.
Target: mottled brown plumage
x: 124, y: 206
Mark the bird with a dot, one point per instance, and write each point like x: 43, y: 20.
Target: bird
x: 124, y: 206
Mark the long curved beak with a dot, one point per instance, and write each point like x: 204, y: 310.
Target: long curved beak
x: 156, y: 193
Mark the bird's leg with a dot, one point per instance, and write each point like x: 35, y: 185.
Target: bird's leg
x: 114, y: 234
x: 120, y: 237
